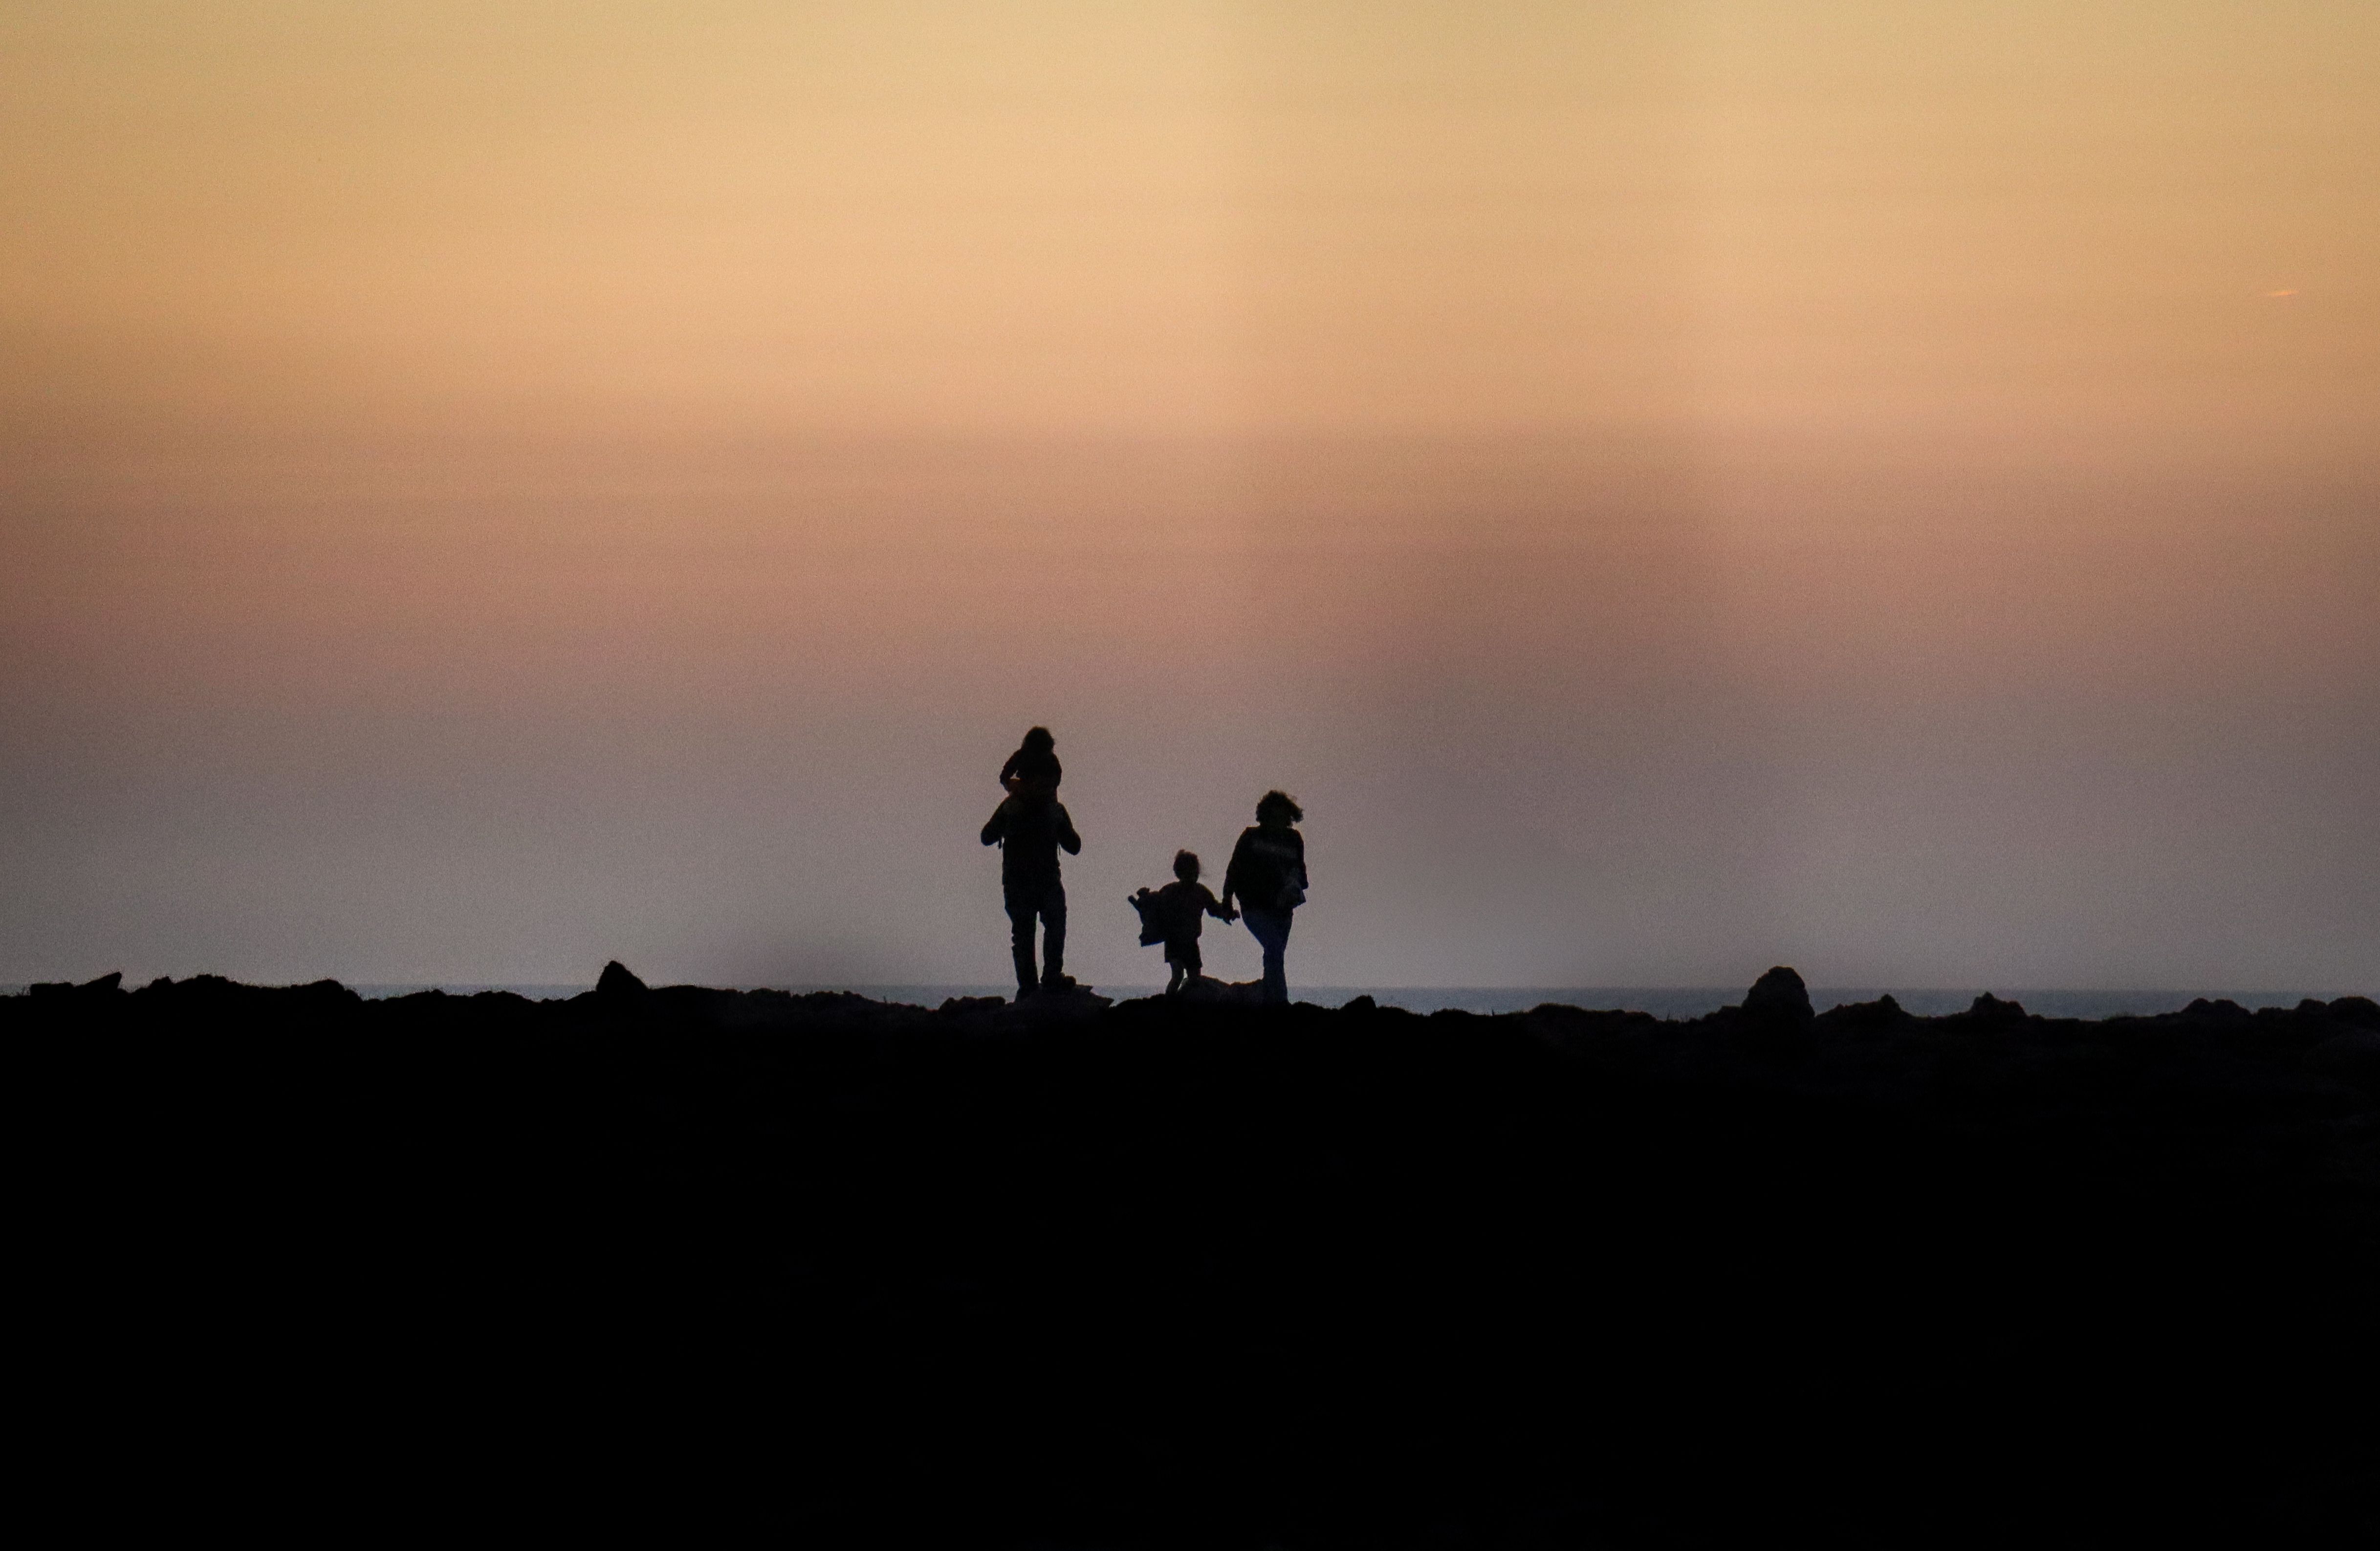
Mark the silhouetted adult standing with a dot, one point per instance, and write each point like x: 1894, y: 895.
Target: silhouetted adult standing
x: 1267, y: 876
x: 1030, y: 827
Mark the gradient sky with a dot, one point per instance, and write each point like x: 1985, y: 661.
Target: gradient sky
x: 1672, y: 488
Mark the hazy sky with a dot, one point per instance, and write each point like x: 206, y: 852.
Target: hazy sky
x: 1672, y: 488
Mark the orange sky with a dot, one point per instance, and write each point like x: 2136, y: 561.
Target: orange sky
x: 1674, y: 488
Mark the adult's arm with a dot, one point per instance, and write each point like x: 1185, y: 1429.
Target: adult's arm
x: 1066, y: 836
x: 996, y: 827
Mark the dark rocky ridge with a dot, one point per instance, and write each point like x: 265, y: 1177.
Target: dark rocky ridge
x: 1155, y: 1274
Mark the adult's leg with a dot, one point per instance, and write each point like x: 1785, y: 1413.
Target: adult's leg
x: 1270, y: 928
x: 1020, y: 940
x: 1053, y: 935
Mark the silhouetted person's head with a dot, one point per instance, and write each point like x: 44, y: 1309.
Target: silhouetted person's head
x: 1278, y: 810
x: 1033, y: 771
x: 1185, y: 866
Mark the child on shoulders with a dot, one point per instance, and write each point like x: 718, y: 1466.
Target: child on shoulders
x: 1033, y: 771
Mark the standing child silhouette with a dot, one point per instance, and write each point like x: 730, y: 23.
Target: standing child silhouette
x: 1175, y: 915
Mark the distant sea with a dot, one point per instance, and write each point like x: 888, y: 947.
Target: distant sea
x: 1662, y: 1001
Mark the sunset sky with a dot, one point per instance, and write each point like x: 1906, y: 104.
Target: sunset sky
x: 1674, y: 489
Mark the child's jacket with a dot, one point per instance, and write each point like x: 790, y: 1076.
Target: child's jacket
x: 1176, y: 912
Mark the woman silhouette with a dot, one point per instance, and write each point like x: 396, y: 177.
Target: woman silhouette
x: 1267, y: 876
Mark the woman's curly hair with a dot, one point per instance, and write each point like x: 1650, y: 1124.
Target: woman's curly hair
x: 1278, y: 804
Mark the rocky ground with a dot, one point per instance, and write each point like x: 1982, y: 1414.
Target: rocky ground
x: 1069, y: 1273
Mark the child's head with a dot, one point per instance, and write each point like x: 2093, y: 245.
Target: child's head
x: 1038, y: 741
x: 1186, y: 867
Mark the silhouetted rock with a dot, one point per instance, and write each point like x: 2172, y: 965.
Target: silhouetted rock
x: 1202, y: 991
x: 106, y: 985
x: 1194, y: 1273
x: 1779, y: 995
x: 2362, y: 1011
x: 1884, y: 1012
x: 2351, y: 1057
x: 1989, y: 1009
x: 1066, y: 1001
x: 615, y: 981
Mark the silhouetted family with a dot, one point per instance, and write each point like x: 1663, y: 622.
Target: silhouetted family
x: 1266, y: 877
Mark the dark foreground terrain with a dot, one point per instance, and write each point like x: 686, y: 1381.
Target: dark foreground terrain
x: 828, y: 1271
